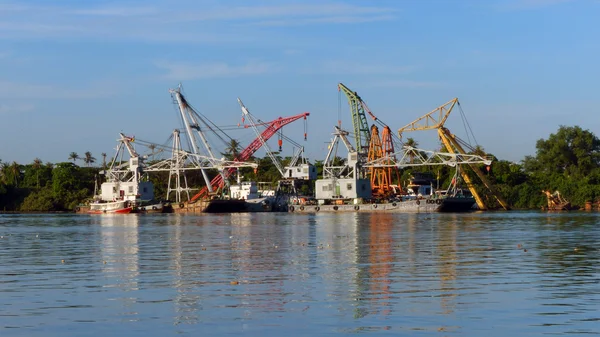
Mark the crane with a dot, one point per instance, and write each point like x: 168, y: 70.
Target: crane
x: 247, y: 115
x: 116, y: 171
x: 435, y: 120
x: 377, y: 146
x: 271, y: 128
x: 287, y: 171
x: 362, y: 135
x: 193, y: 121
x: 379, y: 175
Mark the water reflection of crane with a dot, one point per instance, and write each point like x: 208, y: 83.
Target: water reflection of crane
x: 258, y: 262
x: 120, y: 253
x: 338, y: 248
x: 375, y: 258
x: 186, y: 264
x: 447, y: 261
x: 381, y: 259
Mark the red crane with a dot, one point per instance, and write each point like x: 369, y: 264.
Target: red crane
x: 271, y: 129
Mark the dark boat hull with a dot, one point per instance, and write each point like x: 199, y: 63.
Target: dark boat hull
x: 223, y: 206
x: 446, y: 204
x: 457, y: 204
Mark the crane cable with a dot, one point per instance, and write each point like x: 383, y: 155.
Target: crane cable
x: 467, y: 127
x: 339, y: 108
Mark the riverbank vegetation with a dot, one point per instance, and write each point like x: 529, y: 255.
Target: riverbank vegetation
x: 567, y: 161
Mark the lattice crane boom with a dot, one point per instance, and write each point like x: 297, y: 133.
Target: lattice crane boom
x: 252, y: 121
x: 362, y: 132
x: 431, y: 120
x: 436, y: 120
x: 271, y: 129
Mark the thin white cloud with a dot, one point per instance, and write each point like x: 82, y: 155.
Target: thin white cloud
x: 326, y: 20
x: 515, y: 5
x: 6, y: 109
x: 403, y: 84
x: 187, y: 71
x: 116, y: 11
x: 162, y: 22
x: 18, y: 90
x: 35, y: 28
x: 292, y: 11
x: 363, y: 68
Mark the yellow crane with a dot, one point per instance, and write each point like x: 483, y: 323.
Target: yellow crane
x: 435, y: 120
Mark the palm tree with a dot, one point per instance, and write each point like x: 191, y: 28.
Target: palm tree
x: 37, y: 164
x: 103, y: 154
x: 233, y: 149
x: 478, y: 150
x: 15, y: 170
x: 5, y: 172
x: 73, y: 156
x: 412, y: 143
x: 88, y: 158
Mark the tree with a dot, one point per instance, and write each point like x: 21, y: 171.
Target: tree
x: 571, y: 150
x: 89, y: 159
x: 70, y: 185
x: 232, y: 150
x: 568, y: 161
x: 479, y: 151
x: 37, y: 165
x: 103, y: 154
x: 5, y: 173
x: 15, y: 170
x: 73, y: 156
x: 412, y: 143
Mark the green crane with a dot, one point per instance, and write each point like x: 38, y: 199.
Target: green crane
x: 362, y: 132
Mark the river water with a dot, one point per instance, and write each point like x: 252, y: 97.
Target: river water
x: 476, y: 274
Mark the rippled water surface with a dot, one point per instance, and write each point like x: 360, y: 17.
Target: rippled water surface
x: 479, y: 274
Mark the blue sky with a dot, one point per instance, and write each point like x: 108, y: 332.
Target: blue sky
x: 73, y: 74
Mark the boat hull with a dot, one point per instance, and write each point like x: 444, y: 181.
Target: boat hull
x: 126, y: 210
x: 155, y: 208
x: 115, y: 207
x: 450, y: 204
x: 224, y: 206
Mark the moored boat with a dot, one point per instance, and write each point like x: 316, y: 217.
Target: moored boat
x: 102, y: 207
x: 426, y: 204
x: 243, y: 197
x: 126, y: 187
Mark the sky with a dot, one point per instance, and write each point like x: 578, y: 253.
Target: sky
x: 73, y: 74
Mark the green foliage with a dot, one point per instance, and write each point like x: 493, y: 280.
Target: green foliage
x: 568, y: 161
x: 40, y: 201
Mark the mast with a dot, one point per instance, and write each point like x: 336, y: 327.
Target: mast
x: 183, y: 106
x: 175, y: 170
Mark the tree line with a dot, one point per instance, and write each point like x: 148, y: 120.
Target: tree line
x: 567, y: 161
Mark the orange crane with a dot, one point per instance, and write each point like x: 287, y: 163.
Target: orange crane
x: 435, y: 120
x: 271, y: 128
x: 377, y: 146
x: 381, y: 177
